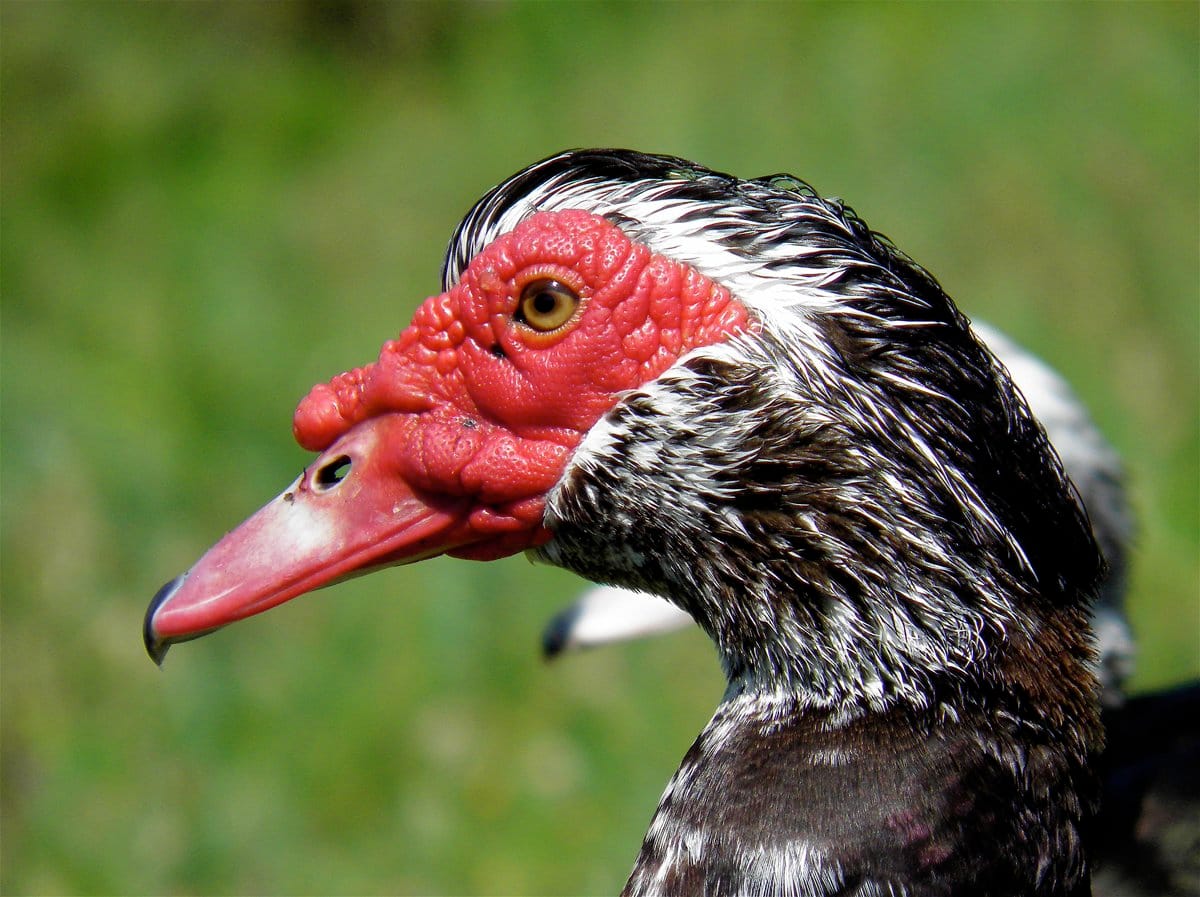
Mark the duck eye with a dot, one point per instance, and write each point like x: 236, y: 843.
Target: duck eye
x: 546, y: 304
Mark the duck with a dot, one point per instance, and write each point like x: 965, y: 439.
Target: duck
x: 735, y: 395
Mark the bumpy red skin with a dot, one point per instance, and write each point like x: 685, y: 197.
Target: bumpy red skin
x: 491, y: 409
x: 452, y: 440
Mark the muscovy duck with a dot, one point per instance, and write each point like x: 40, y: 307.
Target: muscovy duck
x: 733, y: 394
x: 605, y: 615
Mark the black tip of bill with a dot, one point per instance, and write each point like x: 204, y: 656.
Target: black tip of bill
x: 157, y: 647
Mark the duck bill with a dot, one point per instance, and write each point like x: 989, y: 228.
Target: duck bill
x: 348, y: 513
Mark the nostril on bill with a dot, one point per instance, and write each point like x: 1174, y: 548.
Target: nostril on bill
x: 328, y: 475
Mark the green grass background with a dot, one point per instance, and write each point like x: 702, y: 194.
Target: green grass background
x: 209, y: 207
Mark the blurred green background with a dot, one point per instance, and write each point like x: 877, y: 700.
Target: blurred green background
x: 209, y: 207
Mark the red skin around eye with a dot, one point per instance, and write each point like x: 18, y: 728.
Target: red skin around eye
x: 495, y: 408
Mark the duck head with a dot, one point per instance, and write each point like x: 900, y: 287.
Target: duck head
x: 730, y: 393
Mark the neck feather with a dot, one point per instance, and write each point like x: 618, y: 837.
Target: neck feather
x: 834, y: 542
x: 942, y: 803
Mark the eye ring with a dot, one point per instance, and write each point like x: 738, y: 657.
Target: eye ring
x: 546, y: 304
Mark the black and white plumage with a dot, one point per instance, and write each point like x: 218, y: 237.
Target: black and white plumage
x: 843, y: 488
x: 859, y: 509
x: 605, y: 615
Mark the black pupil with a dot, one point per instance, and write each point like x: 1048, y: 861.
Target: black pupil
x: 545, y: 302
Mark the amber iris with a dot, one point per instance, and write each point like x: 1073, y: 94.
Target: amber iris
x: 546, y: 304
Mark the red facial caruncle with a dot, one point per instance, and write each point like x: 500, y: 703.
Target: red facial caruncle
x: 451, y: 441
